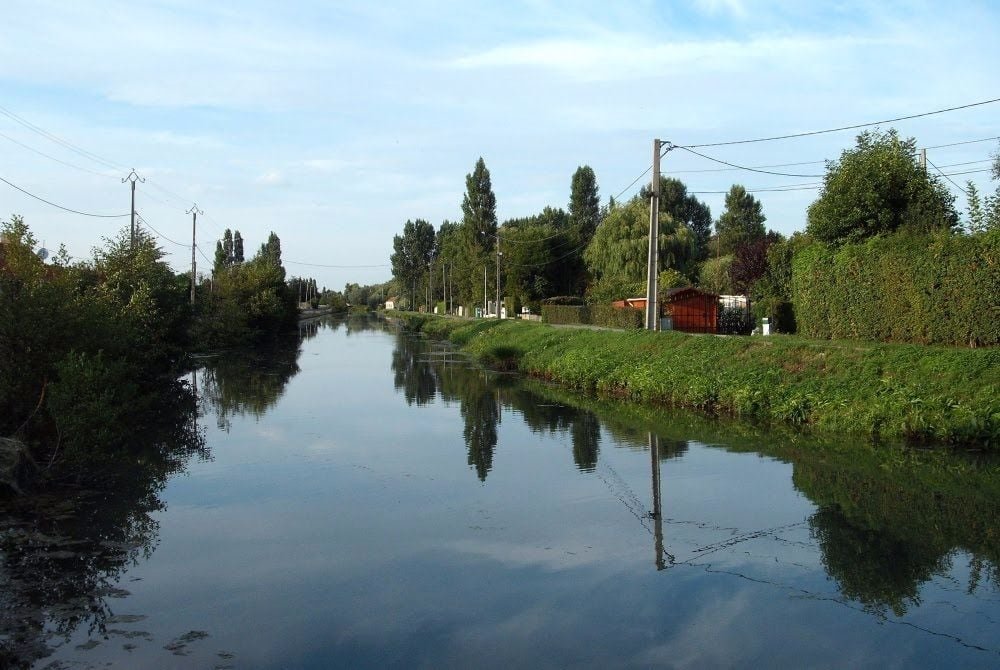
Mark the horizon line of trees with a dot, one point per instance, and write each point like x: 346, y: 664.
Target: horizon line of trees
x: 599, y: 252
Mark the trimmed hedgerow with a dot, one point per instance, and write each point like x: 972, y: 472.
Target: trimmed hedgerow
x: 938, y: 288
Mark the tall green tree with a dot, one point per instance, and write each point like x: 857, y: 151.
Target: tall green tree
x: 412, y: 252
x: 479, y: 229
x: 584, y: 204
x: 879, y: 187
x: 742, y: 221
x: 237, y: 247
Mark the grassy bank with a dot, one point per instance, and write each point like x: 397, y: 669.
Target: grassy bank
x: 920, y: 393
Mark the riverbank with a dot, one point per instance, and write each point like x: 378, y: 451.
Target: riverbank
x: 883, y: 391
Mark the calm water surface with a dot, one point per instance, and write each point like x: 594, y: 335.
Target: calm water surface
x: 369, y: 499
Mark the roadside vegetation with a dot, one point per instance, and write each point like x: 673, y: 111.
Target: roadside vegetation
x: 882, y: 391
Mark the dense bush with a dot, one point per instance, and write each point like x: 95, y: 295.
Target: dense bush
x: 937, y: 288
x: 565, y: 313
x: 615, y: 317
x: 595, y: 315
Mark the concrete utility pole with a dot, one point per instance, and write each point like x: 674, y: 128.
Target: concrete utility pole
x: 444, y: 289
x: 923, y: 159
x: 498, y: 276
x: 652, y: 311
x: 485, y: 307
x: 194, y: 212
x: 133, y: 178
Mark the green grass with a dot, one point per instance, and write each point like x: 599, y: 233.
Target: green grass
x: 916, y: 392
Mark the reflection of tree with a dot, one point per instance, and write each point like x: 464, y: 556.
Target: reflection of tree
x: 886, y: 530
x: 248, y: 382
x: 62, y: 552
x: 872, y: 565
x: 555, y: 417
x: 416, y: 378
x: 481, y: 413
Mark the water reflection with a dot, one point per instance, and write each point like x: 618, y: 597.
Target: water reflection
x: 888, y: 521
x: 62, y: 553
x: 250, y: 382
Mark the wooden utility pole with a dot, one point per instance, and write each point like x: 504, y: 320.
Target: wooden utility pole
x: 133, y: 178
x: 652, y: 266
x: 194, y: 212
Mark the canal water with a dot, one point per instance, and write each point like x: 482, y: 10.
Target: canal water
x: 360, y: 497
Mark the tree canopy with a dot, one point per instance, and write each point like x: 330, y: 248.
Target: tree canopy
x: 878, y: 187
x: 584, y: 204
x: 620, y: 248
x: 741, y: 222
x: 412, y: 252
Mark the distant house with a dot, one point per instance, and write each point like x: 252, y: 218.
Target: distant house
x: 390, y: 303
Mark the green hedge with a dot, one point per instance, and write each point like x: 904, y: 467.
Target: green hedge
x: 596, y: 315
x: 925, y: 289
x: 562, y: 314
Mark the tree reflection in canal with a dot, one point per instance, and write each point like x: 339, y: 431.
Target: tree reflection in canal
x: 889, y: 520
x: 62, y: 552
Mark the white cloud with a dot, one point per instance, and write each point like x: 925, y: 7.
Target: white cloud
x: 628, y: 57
x: 736, y: 8
x: 271, y: 178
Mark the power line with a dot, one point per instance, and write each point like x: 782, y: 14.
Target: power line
x: 341, y: 267
x: 143, y: 220
x: 57, y: 160
x: 644, y: 173
x: 955, y: 174
x: 67, y: 209
x: 841, y: 128
x: 951, y: 165
x: 58, y: 140
x: 774, y: 189
x: 535, y: 265
x: 207, y: 259
x: 947, y: 177
x: 754, y: 166
x: 955, y: 144
x: 743, y: 167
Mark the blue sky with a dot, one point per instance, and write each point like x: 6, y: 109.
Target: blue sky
x: 334, y: 123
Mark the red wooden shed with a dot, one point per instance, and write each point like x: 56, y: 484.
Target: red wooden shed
x: 692, y: 310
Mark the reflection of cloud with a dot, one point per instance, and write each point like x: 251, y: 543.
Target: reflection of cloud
x: 522, y: 555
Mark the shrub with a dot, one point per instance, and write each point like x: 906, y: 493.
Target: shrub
x: 937, y: 288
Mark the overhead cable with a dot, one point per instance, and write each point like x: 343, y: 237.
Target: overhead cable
x: 58, y: 140
x: 841, y: 128
x: 743, y: 167
x: 953, y: 183
x: 66, y: 209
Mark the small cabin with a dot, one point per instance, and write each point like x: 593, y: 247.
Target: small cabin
x: 691, y: 309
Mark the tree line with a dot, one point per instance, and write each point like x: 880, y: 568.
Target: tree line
x: 599, y: 251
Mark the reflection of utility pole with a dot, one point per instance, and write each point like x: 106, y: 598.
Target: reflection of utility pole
x: 133, y: 178
x: 194, y: 212
x: 657, y: 513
